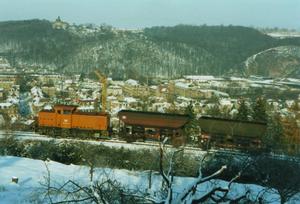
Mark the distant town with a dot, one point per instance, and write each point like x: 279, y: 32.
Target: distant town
x: 23, y: 93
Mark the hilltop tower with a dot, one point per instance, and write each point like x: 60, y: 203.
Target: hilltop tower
x: 59, y: 24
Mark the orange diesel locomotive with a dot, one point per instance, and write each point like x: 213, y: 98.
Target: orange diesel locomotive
x: 66, y: 121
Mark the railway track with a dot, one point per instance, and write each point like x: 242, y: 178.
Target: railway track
x: 117, y: 143
x: 24, y: 135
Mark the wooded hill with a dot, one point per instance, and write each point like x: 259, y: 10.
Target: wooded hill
x: 157, y: 51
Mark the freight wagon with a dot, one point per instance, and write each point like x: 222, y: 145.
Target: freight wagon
x: 136, y: 125
x: 221, y: 132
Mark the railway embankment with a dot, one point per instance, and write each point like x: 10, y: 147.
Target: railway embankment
x: 144, y: 157
x: 97, y: 153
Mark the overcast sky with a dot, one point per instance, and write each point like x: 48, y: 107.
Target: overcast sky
x: 145, y: 13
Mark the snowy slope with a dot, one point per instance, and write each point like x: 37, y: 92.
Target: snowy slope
x: 32, y: 172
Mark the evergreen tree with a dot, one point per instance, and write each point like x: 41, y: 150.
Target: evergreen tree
x: 214, y: 111
x: 243, y: 111
x: 259, y: 110
x: 274, y: 137
x: 191, y: 129
x: 23, y: 80
x: 82, y: 77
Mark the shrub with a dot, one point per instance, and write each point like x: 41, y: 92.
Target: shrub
x: 10, y: 146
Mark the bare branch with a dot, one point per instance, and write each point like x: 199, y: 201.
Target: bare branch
x: 198, y: 181
x: 161, y: 151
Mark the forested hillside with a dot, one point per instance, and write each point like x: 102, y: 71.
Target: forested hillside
x: 157, y: 51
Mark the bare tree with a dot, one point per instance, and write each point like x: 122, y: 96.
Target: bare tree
x: 188, y: 195
x: 102, y: 191
x: 108, y: 190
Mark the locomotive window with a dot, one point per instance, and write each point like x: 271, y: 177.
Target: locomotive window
x: 59, y: 112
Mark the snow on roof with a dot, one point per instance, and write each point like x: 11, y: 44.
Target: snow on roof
x: 36, y: 91
x: 163, y: 90
x: 237, y: 79
x: 289, y: 103
x: 69, y: 81
x: 114, y: 87
x: 293, y: 80
x: 225, y: 102
x: 206, y: 90
x: 28, y: 122
x: 256, y: 85
x: 182, y: 84
x: 199, y: 77
x: 132, y: 82
x: 153, y: 87
x: 219, y: 93
x: 6, y: 105
x: 111, y: 98
x: 85, y: 108
x: 130, y: 99
x: 48, y: 107
x: 184, y: 98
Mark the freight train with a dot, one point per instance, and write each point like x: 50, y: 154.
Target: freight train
x: 67, y: 121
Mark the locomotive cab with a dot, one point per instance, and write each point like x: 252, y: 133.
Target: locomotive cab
x: 64, y: 115
x: 65, y: 110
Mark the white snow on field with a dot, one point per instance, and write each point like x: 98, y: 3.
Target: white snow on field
x: 33, y: 172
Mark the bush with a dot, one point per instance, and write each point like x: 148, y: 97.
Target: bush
x: 10, y: 146
x: 39, y: 149
x: 97, y: 155
x: 67, y: 153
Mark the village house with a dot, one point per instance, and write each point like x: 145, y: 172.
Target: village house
x: 113, y: 104
x: 133, y: 88
x: 7, y: 81
x: 49, y: 79
x: 88, y: 105
x: 114, y: 90
x: 9, y: 109
x: 5, y: 67
x: 49, y: 91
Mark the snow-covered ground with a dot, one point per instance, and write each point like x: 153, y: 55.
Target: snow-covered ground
x: 32, y: 173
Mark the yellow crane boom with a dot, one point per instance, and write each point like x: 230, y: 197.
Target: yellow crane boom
x: 103, y: 81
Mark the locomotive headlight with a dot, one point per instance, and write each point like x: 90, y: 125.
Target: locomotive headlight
x: 124, y: 117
